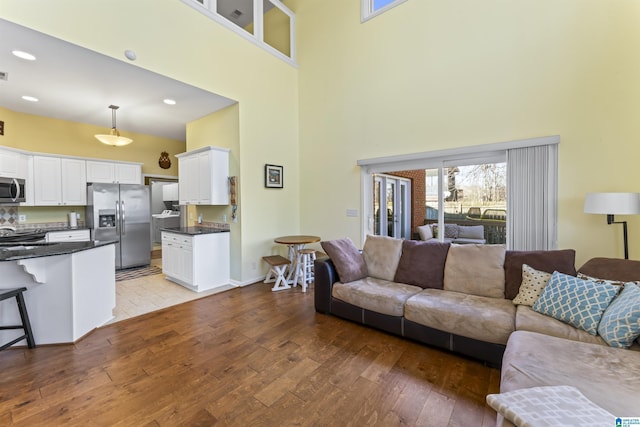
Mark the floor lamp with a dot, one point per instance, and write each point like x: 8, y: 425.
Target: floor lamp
x: 612, y: 204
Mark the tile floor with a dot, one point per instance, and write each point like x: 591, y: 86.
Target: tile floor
x: 139, y: 296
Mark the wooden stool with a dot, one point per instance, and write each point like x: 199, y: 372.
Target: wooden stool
x: 22, y: 308
x: 278, y: 265
x: 304, y: 268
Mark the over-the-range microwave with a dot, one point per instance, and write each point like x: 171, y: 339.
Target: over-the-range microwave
x: 12, y: 190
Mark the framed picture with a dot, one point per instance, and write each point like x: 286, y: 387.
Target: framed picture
x: 272, y: 176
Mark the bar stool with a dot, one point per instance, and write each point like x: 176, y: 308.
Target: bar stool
x: 22, y: 308
x: 277, y: 270
x: 304, y: 268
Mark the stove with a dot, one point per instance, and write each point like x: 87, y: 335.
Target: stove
x: 10, y: 234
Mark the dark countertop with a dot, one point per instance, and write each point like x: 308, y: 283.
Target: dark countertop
x: 193, y: 231
x: 16, y: 251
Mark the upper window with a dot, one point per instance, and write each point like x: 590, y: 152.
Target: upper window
x: 372, y: 8
x: 267, y: 23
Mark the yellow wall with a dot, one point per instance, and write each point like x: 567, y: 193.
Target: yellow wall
x: 432, y: 74
x: 47, y: 135
x: 185, y: 45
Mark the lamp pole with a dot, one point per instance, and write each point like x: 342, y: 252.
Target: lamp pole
x: 610, y: 220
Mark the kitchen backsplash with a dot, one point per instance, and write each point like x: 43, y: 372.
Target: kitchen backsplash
x: 9, y: 215
x: 215, y: 225
x: 46, y: 225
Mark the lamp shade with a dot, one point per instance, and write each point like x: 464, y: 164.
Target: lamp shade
x: 114, y: 137
x: 612, y: 203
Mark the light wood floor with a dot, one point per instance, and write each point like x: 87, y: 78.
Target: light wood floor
x: 243, y: 357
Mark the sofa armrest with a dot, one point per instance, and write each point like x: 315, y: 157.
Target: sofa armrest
x: 325, y: 275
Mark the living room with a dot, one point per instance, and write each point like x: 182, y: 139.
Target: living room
x: 426, y: 75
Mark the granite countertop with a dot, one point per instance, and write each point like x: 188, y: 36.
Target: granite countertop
x: 17, y: 251
x: 194, y: 231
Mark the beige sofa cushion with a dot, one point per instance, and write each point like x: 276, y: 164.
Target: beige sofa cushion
x: 382, y: 255
x: 606, y: 375
x: 381, y: 296
x: 475, y: 270
x: 532, y: 321
x: 482, y: 318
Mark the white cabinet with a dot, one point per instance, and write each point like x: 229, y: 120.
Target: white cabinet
x: 197, y: 262
x: 68, y: 236
x: 59, y: 181
x: 203, y: 176
x: 114, y: 172
x: 13, y: 164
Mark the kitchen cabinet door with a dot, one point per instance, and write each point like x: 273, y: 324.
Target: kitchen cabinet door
x: 188, y: 180
x: 47, y: 177
x: 73, y: 174
x: 128, y: 174
x: 103, y: 172
x: 13, y: 164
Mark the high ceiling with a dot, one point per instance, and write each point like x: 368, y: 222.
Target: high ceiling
x: 76, y: 84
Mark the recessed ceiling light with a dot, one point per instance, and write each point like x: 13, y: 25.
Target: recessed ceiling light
x: 30, y: 98
x: 169, y: 101
x: 24, y: 55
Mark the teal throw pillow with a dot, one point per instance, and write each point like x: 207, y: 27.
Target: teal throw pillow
x: 620, y: 323
x: 577, y: 302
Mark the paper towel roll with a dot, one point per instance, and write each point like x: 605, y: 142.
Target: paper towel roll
x: 73, y: 219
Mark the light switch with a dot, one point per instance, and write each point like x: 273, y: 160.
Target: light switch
x: 352, y: 212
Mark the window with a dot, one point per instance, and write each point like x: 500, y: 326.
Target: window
x: 509, y: 188
x: 470, y: 196
x: 373, y: 8
x: 267, y: 23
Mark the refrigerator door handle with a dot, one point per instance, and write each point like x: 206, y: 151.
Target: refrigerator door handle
x: 123, y: 219
x: 117, y: 217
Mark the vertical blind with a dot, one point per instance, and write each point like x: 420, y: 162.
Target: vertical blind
x: 532, y: 197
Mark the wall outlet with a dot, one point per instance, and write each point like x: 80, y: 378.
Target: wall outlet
x: 224, y: 218
x: 254, y: 266
x: 352, y: 212
x: 22, y: 218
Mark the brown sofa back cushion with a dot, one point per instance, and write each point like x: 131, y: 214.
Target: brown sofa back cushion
x: 623, y: 270
x: 422, y: 264
x: 562, y: 261
x: 347, y: 259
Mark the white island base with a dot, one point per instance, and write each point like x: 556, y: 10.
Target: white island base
x: 67, y: 295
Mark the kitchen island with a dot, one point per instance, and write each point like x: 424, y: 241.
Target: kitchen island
x: 197, y: 258
x: 70, y: 288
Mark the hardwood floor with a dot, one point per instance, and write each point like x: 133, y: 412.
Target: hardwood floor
x: 244, y: 357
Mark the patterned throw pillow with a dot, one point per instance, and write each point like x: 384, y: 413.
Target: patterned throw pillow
x: 601, y: 281
x: 450, y: 231
x: 533, y: 282
x: 620, y: 323
x: 577, y: 302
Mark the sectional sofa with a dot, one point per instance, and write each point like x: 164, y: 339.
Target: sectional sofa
x: 461, y: 298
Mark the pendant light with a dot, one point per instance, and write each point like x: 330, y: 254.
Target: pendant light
x: 114, y: 138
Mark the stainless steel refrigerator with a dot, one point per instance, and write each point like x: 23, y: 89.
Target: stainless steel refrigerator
x: 121, y: 212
